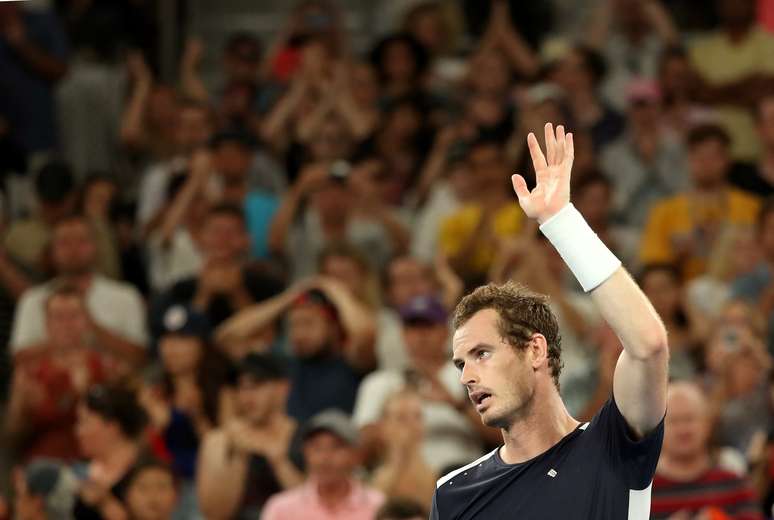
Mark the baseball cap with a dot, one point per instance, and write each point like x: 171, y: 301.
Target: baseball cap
x: 642, y: 91
x: 263, y: 367
x: 425, y: 309
x: 185, y: 321
x: 332, y: 421
x: 54, y: 482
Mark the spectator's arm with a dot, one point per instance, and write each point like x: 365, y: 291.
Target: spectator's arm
x: 434, y: 166
x: 400, y: 238
x: 518, y: 51
x: 220, y: 477
x: 309, y: 126
x: 43, y: 63
x: 258, y: 316
x: 201, y: 166
x: 133, y: 131
x: 14, y: 281
x: 190, y: 80
x: 661, y: 22
x: 599, y: 27
x: 274, y: 129
x: 360, y: 122
x: 122, y: 347
x: 358, y: 322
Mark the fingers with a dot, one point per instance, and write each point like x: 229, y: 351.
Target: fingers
x: 569, y: 148
x: 550, y: 144
x: 560, y: 145
x: 520, y: 186
x: 538, y: 159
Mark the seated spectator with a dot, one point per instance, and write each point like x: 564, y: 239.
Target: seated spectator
x: 329, y: 348
x: 400, y: 509
x: 646, y: 163
x: 45, y: 490
x: 191, y: 398
x: 758, y: 177
x: 404, y: 472
x: 469, y: 236
x: 330, y: 447
x: 688, y: 481
x: 453, y: 431
x: 331, y: 215
x: 109, y: 426
x: 679, y: 83
x: 47, y: 387
x: 683, y: 229
x: 150, y: 492
x: 116, y: 314
x: 248, y: 458
x: 227, y: 281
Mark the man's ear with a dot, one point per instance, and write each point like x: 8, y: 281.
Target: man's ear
x: 538, y: 351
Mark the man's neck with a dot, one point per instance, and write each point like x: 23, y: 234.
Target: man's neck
x: 544, y: 425
x: 333, y: 493
x: 81, y: 281
x: 684, y: 470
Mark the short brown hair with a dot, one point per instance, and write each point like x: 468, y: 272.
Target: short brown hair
x: 702, y: 133
x: 522, y: 313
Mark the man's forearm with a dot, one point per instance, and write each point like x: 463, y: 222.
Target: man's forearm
x: 124, y: 348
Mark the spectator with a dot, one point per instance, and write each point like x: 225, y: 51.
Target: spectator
x: 401, y: 63
x: 631, y: 35
x: 48, y: 385
x: 109, y: 425
x: 452, y: 430
x: 684, y: 228
x: 247, y: 459
x: 330, y: 444
x: 329, y: 348
x: 646, y: 163
x: 681, y: 89
x: 581, y: 71
x: 501, y: 36
x: 331, y: 215
x: 150, y: 491
x: 191, y: 399
x: 194, y: 126
x: 400, y: 509
x: 45, y: 490
x: 688, y: 480
x: 33, y: 54
x: 469, y: 236
x: 116, y: 314
x: 758, y: 178
x: 227, y: 282
x: 735, y: 58
x: 403, y: 471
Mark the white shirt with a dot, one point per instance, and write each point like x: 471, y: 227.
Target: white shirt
x: 173, y: 262
x: 116, y: 306
x: 449, y: 436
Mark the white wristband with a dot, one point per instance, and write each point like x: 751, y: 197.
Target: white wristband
x: 585, y: 254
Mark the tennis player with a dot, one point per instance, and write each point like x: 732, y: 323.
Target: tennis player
x: 507, y: 349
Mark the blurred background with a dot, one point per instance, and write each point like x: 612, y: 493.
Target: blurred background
x: 232, y: 235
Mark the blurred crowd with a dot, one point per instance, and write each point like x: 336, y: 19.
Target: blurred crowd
x: 230, y: 299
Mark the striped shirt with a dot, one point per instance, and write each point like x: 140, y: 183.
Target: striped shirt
x: 717, y: 488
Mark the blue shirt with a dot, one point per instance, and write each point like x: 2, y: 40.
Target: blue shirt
x: 319, y: 383
x: 260, y: 208
x: 596, y: 472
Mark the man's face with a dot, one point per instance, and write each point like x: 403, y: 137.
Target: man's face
x: 409, y: 278
x: 152, y: 495
x: 193, y: 128
x: 687, y: 426
x: 332, y: 200
x: 180, y: 354
x: 66, y: 320
x: 487, y: 164
x: 425, y: 342
x: 95, y: 434
x: 709, y: 162
x: 309, y: 330
x: 491, y: 367
x: 73, y: 248
x: 258, y: 400
x: 232, y: 160
x: 329, y: 459
x: 224, y: 238
x: 242, y: 63
x: 346, y: 270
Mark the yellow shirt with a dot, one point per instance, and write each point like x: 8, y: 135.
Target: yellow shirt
x: 721, y: 62
x: 676, y: 220
x: 456, y: 229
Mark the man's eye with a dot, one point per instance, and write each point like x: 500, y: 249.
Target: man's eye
x: 483, y: 354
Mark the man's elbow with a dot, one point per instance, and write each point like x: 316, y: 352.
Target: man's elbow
x: 655, y: 343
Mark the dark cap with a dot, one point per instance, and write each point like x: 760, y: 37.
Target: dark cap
x: 332, y: 421
x: 184, y: 321
x: 51, y: 480
x: 423, y: 309
x: 263, y: 367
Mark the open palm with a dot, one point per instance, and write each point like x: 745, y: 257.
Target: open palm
x: 552, y: 172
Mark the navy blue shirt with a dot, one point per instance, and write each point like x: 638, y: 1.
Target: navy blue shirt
x: 596, y: 472
x: 319, y: 383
